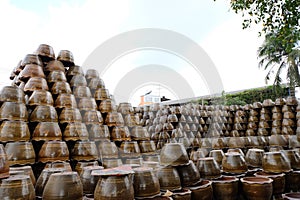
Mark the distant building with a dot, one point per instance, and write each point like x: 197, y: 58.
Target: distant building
x: 148, y: 99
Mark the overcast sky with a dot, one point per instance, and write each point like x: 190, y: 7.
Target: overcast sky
x: 82, y: 25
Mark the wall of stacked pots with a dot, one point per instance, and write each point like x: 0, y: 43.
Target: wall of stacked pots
x: 63, y: 137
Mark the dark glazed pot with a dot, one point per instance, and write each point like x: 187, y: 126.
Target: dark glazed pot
x: 202, y: 191
x: 257, y: 188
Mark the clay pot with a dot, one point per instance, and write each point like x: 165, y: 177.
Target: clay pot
x: 65, y: 166
x: 40, y: 97
x: 85, y: 150
x: 47, y: 131
x: 31, y: 59
x: 101, y: 94
x: 120, y: 133
x: 82, y: 91
x: 168, y: 178
x: 75, y: 131
x: 81, y: 164
x: 291, y: 101
x: 111, y: 162
x: 189, y: 174
x: 14, y: 131
x: 292, y: 180
x: 234, y: 163
x: 65, y: 101
x: 139, y: 133
x: 53, y: 151
x: 88, y: 181
x: 20, y: 153
x: 43, y: 179
x: 98, y: 132
x: 17, y: 187
x: 268, y: 103
x: 31, y: 70
x: 66, y: 57
x: 107, y: 106
x: 75, y: 70
x: 203, y: 190
x: 280, y: 101
x: 146, y: 183
x: 61, y: 87
x: 293, y: 158
x: 218, y: 143
x: 184, y: 194
x: 12, y: 94
x: 226, y: 188
x: 63, y: 185
x: 78, y: 80
x: 218, y: 155
x: 257, y: 188
x: 275, y: 162
x: 44, y: 114
x: 208, y: 168
x: 147, y: 146
x: 114, y: 119
x: 46, y: 52
x: 13, y: 111
x: 69, y: 115
x: 278, y: 140
x: 87, y: 103
x: 24, y: 170
x: 125, y: 108
x: 96, y: 83
x: 35, y: 83
x: 115, y: 186
x: 92, y: 117
x: 129, y: 149
x: 54, y: 65
x: 278, y: 181
x: 4, y: 164
x: 254, y: 157
x: 174, y: 154
x: 56, y: 76
x: 91, y: 73
x: 291, y: 196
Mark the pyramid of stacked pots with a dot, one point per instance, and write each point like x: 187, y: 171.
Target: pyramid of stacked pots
x: 63, y: 137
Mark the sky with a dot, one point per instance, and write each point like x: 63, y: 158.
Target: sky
x: 82, y: 25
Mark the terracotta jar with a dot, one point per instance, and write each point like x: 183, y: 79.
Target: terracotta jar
x: 63, y: 185
x: 275, y: 162
x: 226, y: 188
x: 254, y: 157
x: 174, y: 154
x: 257, y: 188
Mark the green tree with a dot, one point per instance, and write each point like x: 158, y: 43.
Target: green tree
x: 279, y: 21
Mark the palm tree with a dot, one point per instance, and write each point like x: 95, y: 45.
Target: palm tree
x: 274, y: 58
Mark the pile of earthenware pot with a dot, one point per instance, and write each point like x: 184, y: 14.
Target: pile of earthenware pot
x: 63, y: 137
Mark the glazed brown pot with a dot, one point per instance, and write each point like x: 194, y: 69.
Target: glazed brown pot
x: 114, y: 119
x: 75, y: 131
x: 92, y: 117
x: 139, y: 133
x: 13, y: 111
x: 4, y: 165
x: 66, y: 57
x: 85, y: 150
x: 120, y: 133
x: 184, y: 194
x: 63, y: 185
x: 56, y: 76
x: 78, y: 80
x: 107, y: 149
x: 61, y: 87
x: 81, y: 164
x: 91, y: 73
x: 293, y: 157
x: 26, y: 170
x: 31, y: 70
x: 107, y: 106
x: 292, y: 180
x: 96, y: 83
x: 69, y: 115
x: 111, y: 162
x: 226, y: 188
x: 65, y: 101
x: 254, y: 157
x: 168, y: 178
x: 20, y: 153
x: 202, y: 191
x: 114, y: 186
x: 54, y: 65
x: 43, y: 179
x: 47, y: 131
x: 208, y: 168
x: 53, y: 151
x: 101, y: 94
x: 40, y: 97
x: 17, y: 187
x: 87, y: 103
x: 31, y: 59
x: 278, y: 181
x: 257, y: 188
x: 44, y: 114
x: 12, y: 94
x: 218, y: 155
x: 146, y: 183
x: 189, y: 174
x: 174, y: 154
x: 14, y: 131
x: 234, y: 163
x: 129, y: 149
x: 46, y: 52
x: 89, y: 181
x: 35, y: 83
x: 98, y: 132
x: 291, y: 196
x: 147, y: 146
x: 275, y: 162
